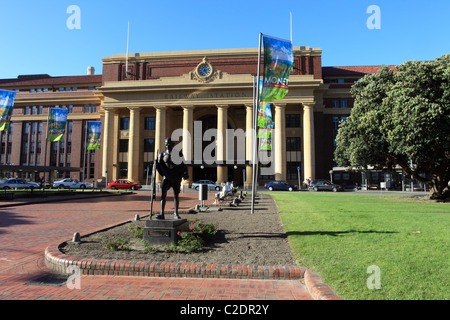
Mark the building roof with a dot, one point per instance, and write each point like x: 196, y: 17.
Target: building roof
x: 46, y: 80
x: 352, y: 70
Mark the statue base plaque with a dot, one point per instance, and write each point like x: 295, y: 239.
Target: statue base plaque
x: 161, y: 232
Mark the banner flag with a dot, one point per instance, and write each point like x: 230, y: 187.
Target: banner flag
x: 278, y: 61
x: 57, y: 124
x: 94, y: 130
x: 265, y: 126
x: 6, y: 108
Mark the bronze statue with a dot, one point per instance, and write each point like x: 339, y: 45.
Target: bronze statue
x: 173, y: 174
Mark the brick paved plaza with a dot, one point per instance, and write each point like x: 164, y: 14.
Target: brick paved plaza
x: 27, y: 229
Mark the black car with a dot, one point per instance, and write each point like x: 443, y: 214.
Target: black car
x: 280, y: 185
x: 324, y: 185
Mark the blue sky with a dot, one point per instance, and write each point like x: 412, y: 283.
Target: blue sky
x: 35, y: 37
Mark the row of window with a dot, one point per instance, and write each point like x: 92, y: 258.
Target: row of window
x: 292, y: 144
x: 149, y: 123
x: 292, y: 121
x: 60, y: 89
x: 339, y: 103
x: 30, y: 110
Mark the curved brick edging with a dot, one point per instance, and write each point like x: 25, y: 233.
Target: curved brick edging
x: 317, y: 289
x: 57, y: 261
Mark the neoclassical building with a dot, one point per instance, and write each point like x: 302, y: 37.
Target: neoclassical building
x: 202, y: 99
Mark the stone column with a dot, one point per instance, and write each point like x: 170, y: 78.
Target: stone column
x: 134, y: 138
x: 308, y: 142
x: 188, y: 141
x: 108, y: 142
x: 160, y: 135
x: 249, y: 145
x: 280, y: 142
x: 221, y: 150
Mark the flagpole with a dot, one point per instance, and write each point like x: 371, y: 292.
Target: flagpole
x: 291, y: 26
x: 255, y: 117
x: 46, y: 142
x: 128, y: 42
x: 85, y: 150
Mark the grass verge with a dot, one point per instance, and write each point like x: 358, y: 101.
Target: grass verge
x: 341, y: 235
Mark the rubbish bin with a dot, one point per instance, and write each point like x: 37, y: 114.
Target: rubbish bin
x: 203, y: 192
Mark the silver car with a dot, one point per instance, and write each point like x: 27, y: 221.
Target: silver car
x: 70, y: 183
x: 18, y: 183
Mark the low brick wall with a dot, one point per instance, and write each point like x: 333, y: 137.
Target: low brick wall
x: 57, y: 261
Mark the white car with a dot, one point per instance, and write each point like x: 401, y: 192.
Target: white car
x: 70, y: 183
x: 18, y: 183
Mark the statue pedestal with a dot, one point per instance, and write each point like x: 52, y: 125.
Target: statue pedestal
x: 161, y: 232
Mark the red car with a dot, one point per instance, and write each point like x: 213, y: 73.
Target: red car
x: 123, y: 184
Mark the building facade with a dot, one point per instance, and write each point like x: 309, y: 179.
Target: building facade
x: 202, y: 99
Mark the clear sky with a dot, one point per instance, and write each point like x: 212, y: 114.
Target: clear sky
x: 35, y: 37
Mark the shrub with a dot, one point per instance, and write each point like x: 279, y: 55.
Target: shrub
x: 136, y: 232
x: 116, y: 244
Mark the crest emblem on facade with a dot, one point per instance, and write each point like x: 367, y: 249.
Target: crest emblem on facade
x: 205, y: 72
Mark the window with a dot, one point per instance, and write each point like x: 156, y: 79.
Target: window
x: 123, y: 170
x: 343, y: 103
x: 149, y: 123
x: 123, y: 145
x: 124, y: 123
x: 86, y: 108
x: 149, y: 145
x: 293, y: 144
x: 335, y: 103
x: 40, y: 109
x: 70, y: 109
x: 94, y: 108
x: 27, y: 110
x: 293, y: 121
x: 292, y: 171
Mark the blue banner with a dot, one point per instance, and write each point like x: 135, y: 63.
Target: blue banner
x: 278, y: 61
x: 6, y: 108
x: 57, y: 124
x: 94, y: 131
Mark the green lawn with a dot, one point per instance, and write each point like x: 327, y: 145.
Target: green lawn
x: 340, y: 235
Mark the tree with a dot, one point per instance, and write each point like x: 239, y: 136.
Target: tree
x: 402, y: 118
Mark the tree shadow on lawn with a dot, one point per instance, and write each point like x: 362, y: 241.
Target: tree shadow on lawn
x: 331, y: 233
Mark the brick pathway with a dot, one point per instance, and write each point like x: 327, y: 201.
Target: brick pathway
x: 26, y: 231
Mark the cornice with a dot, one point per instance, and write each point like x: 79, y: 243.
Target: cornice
x: 199, y: 54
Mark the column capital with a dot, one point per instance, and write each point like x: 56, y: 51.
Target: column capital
x: 160, y: 107
x: 309, y: 104
x: 108, y: 108
x: 280, y: 105
x: 188, y: 107
x: 222, y: 106
x: 134, y: 108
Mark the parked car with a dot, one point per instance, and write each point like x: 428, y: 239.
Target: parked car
x: 123, y: 184
x: 324, y: 185
x: 18, y: 183
x: 70, y: 183
x: 211, y: 185
x: 280, y: 185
